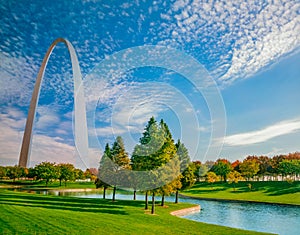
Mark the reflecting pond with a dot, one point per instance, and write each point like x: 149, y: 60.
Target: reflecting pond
x: 280, y: 219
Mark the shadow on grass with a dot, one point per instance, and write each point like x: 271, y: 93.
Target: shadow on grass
x: 68, y: 203
x: 205, y: 190
x: 283, y: 188
x: 271, y: 188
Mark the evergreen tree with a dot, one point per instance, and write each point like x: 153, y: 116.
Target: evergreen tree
x: 104, y: 170
x: 141, y: 156
x: 186, y: 168
x: 156, y: 153
x: 113, y: 163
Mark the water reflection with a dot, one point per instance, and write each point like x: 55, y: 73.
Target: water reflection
x: 251, y: 216
x: 279, y: 219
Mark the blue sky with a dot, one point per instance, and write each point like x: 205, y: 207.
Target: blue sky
x: 250, y: 49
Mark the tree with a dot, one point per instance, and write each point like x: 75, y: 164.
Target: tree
x: 249, y: 168
x: 32, y: 173
x: 46, y: 171
x: 234, y: 177
x: 265, y: 166
x: 101, y: 184
x: 209, y: 164
x: 120, y: 159
x: 143, y: 156
x: 115, y: 161
x: 275, y: 164
x: 91, y: 173
x: 170, y: 177
x: 186, y: 168
x: 211, y: 177
x: 14, y: 172
x: 236, y: 165
x: 157, y: 154
x: 168, y: 172
x: 94, y: 173
x: 222, y: 167
x: 104, y: 170
x: 3, y: 172
x: 66, y: 171
x: 197, y: 166
x: 202, y: 171
x: 289, y: 167
x: 79, y: 174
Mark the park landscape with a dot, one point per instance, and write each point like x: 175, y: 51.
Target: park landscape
x: 149, y: 117
x: 255, y: 179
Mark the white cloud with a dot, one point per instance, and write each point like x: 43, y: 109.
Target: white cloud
x: 236, y: 38
x: 44, y: 148
x: 263, y: 135
x: 131, y: 106
x: 12, y: 69
x: 107, y: 131
x: 46, y: 117
x: 273, y: 39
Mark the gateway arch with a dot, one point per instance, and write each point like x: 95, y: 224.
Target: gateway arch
x: 80, y: 123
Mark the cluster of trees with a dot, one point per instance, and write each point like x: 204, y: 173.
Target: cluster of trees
x: 48, y: 171
x: 163, y: 166
x: 160, y: 166
x: 157, y: 165
x: 251, y: 168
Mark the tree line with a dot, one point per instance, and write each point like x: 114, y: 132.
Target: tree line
x: 48, y: 172
x: 260, y: 168
x: 159, y: 166
x: 162, y: 160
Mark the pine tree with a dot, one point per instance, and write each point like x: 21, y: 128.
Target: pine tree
x: 156, y: 154
x: 143, y: 156
x: 121, y: 162
x: 104, y: 170
x: 186, y: 169
x: 113, y: 164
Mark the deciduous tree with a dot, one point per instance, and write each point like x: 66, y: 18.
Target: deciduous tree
x: 234, y: 177
x: 66, y: 171
x: 46, y: 171
x: 211, y: 177
x: 249, y: 168
x: 222, y: 167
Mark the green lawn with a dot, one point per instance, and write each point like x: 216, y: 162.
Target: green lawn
x: 51, y: 185
x: 24, y: 213
x: 273, y: 191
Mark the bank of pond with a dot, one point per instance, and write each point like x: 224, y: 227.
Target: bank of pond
x: 271, y: 218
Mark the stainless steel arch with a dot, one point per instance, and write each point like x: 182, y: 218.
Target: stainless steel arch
x: 80, y: 132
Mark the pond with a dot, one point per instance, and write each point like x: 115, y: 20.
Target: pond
x: 279, y: 219
x: 272, y: 218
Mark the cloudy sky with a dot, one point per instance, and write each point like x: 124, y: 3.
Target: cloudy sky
x: 225, y: 75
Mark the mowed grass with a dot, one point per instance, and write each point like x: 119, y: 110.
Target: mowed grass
x: 51, y: 185
x: 271, y: 192
x: 24, y: 213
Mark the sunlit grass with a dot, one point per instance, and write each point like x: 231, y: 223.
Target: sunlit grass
x: 24, y: 213
x: 272, y: 191
x: 51, y: 185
